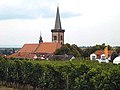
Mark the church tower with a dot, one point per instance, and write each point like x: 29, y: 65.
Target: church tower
x: 58, y: 32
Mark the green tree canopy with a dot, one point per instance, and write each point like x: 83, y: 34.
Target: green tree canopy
x: 78, y: 52
x: 113, y: 56
x: 69, y: 50
x: 118, y: 50
x: 86, y: 52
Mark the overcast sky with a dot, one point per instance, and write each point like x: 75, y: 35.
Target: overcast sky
x: 86, y: 22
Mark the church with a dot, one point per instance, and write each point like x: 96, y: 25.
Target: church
x: 42, y: 50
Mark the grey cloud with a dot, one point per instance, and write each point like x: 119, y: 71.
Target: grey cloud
x: 26, y: 14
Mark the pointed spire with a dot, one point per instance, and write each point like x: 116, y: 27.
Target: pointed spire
x: 57, y: 21
x: 40, y: 39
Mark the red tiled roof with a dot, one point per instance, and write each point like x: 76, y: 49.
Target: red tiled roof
x: 21, y: 55
x: 29, y: 50
x: 47, y: 47
x: 99, y: 52
x: 12, y: 55
x: 2, y: 55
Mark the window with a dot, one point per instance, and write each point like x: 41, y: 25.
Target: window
x: 55, y: 37
x: 93, y: 58
x: 61, y: 37
x: 103, y: 58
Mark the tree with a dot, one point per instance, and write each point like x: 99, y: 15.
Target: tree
x: 85, y: 54
x: 118, y: 50
x: 77, y: 48
x: 74, y: 51
x: 63, y: 50
x: 113, y: 56
x: 69, y: 50
x: 5, y: 52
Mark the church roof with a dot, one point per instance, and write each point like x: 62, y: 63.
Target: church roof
x: 47, y: 47
x: 57, y: 21
x: 29, y: 50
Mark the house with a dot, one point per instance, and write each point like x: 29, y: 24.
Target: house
x: 101, y: 54
x: 98, y: 53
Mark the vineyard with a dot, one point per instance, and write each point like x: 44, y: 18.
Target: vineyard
x: 59, y: 75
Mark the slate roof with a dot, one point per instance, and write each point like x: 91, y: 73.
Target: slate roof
x: 57, y: 21
x: 61, y: 57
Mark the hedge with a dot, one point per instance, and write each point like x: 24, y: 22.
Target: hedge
x: 60, y: 75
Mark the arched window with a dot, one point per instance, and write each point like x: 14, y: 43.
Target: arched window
x: 61, y: 37
x: 55, y: 37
